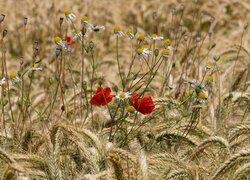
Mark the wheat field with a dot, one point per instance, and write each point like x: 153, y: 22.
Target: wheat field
x: 125, y: 89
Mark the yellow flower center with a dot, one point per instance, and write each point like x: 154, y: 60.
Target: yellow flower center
x: 78, y: 32
x: 146, y: 46
x: 167, y: 42
x: 85, y: 18
x: 122, y: 95
x: 130, y: 31
x: 202, y: 95
x: 13, y: 75
x: 210, y: 78
x: 57, y: 39
x: 154, y: 35
x: 139, y: 51
x: 67, y: 12
x: 208, y: 65
x: 117, y: 28
x: 141, y: 37
x: 165, y: 52
x: 131, y: 109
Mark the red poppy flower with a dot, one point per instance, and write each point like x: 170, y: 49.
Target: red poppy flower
x: 102, y: 96
x: 143, y: 105
x: 69, y: 40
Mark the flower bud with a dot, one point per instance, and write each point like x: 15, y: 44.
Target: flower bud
x: 91, y: 45
x: 216, y: 58
x: 5, y: 102
x: 50, y: 81
x: 156, y: 52
x: 84, y: 85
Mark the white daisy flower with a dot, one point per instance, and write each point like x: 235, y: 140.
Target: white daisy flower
x: 78, y: 35
x: 60, y: 42
x: 69, y: 15
x: 121, y: 96
x: 91, y: 27
x: 142, y: 53
x: 117, y: 31
x: 165, y: 54
x: 14, y: 78
x: 130, y: 33
x: 85, y: 21
x: 2, y: 81
x: 155, y: 37
x: 167, y: 44
x: 208, y: 66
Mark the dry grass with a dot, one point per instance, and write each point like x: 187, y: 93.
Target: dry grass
x: 180, y: 139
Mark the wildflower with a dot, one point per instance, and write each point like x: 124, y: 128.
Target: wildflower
x: 142, y: 53
x: 131, y: 109
x: 167, y: 44
x: 2, y: 81
x: 165, y: 53
x: 69, y: 15
x: 130, y: 33
x: 155, y: 37
x: 143, y: 105
x: 141, y: 37
x: 102, y: 96
x: 207, y: 66
x: 117, y: 30
x: 60, y: 42
x: 85, y: 21
x: 121, y: 96
x: 78, y: 36
x: 14, y: 78
x: 70, y: 41
x: 146, y: 49
x: 210, y: 78
x: 202, y: 95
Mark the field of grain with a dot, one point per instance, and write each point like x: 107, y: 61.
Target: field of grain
x: 125, y: 89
